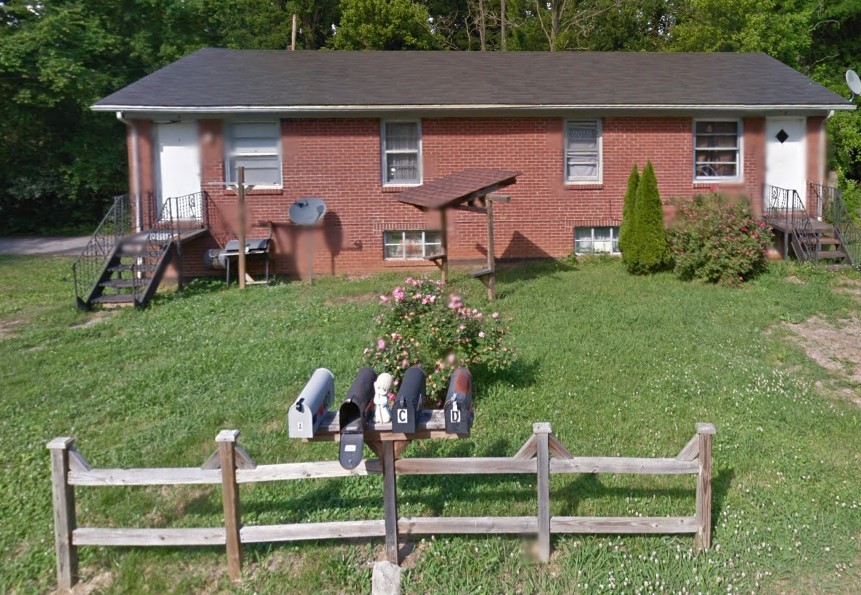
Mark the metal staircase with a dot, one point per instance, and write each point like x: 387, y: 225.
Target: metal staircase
x: 829, y: 240
x: 119, y: 267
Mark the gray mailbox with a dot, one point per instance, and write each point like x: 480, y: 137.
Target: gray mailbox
x: 458, y: 403
x: 352, y: 416
x: 310, y: 406
x: 408, y: 403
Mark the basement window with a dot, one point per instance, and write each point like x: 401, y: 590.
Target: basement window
x: 583, y: 151
x: 717, y: 149
x: 401, y: 153
x: 596, y: 240
x: 256, y: 146
x: 413, y: 244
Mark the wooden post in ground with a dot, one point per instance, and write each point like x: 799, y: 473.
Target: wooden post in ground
x: 226, y: 440
x: 491, y: 255
x: 703, y: 537
x: 443, y: 223
x: 240, y: 190
x: 390, y: 501
x: 542, y: 430
x: 64, y: 513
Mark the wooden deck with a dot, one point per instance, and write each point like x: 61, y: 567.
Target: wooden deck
x: 781, y: 223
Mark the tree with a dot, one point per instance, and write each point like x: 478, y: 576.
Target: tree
x: 646, y: 246
x: 382, y: 25
x: 628, y: 207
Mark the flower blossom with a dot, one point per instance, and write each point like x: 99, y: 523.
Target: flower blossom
x: 481, y: 334
x: 495, y: 315
x: 381, y: 344
x: 398, y: 293
x: 384, y: 298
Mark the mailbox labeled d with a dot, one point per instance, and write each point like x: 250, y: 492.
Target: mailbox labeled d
x: 458, y: 409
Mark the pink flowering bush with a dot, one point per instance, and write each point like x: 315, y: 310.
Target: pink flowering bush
x: 422, y: 325
x: 717, y: 239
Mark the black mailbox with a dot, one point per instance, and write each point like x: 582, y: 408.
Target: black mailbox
x: 458, y: 403
x: 408, y: 403
x: 351, y: 417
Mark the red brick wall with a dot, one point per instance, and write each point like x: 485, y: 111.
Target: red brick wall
x: 339, y: 160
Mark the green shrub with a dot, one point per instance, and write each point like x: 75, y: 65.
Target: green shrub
x: 717, y: 239
x: 422, y: 326
x: 646, y: 243
x: 628, y: 206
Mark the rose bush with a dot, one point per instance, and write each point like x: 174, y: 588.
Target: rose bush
x: 717, y: 239
x: 422, y: 325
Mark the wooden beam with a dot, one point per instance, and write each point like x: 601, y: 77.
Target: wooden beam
x: 542, y: 431
x: 491, y: 254
x: 623, y: 525
x: 303, y: 531
x: 390, y: 502
x: 63, y: 496
x: 148, y: 537
x: 464, y: 466
x: 624, y: 465
x: 703, y: 539
x: 145, y: 477
x: 469, y: 209
x: 504, y: 198
x: 226, y: 440
x: 468, y: 525
x: 443, y: 262
x: 557, y: 449
x: 691, y: 450
x: 307, y: 470
x: 528, y: 450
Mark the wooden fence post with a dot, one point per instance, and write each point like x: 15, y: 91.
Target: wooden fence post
x: 542, y: 430
x: 390, y: 501
x: 64, y: 513
x: 226, y: 440
x: 703, y: 537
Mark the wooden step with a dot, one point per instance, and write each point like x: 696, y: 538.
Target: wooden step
x: 124, y: 283
x: 822, y: 241
x: 830, y: 254
x: 144, y: 268
x: 116, y: 300
x: 481, y: 273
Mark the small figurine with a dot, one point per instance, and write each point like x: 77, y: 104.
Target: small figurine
x: 382, y: 413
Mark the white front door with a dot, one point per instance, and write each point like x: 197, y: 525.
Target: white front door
x: 178, y: 169
x: 786, y: 154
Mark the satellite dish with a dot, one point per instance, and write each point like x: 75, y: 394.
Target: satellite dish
x: 854, y: 83
x: 307, y: 211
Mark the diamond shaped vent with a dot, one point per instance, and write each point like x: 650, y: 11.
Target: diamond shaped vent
x: 781, y: 136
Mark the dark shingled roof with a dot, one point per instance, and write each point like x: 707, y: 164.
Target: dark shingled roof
x: 211, y: 78
x: 458, y: 187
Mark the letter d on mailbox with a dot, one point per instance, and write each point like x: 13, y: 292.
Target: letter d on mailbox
x: 351, y: 417
x: 308, y: 409
x: 458, y: 403
x: 408, y: 403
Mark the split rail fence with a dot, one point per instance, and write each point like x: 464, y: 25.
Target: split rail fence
x: 542, y: 455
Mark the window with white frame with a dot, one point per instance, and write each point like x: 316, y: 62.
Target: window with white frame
x: 411, y: 244
x: 256, y: 146
x: 401, y: 153
x: 596, y: 240
x: 583, y: 151
x: 717, y: 149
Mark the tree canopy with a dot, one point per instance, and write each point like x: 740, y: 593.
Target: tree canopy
x: 60, y: 163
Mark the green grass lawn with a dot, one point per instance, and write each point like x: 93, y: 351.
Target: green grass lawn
x: 620, y: 366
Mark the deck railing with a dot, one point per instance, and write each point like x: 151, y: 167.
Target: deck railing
x: 87, y: 271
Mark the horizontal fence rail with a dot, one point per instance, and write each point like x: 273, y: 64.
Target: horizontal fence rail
x: 230, y: 466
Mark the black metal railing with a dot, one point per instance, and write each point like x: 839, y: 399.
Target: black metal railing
x: 90, y: 266
x: 834, y: 212
x: 785, y: 209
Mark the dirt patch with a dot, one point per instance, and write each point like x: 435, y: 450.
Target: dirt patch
x: 7, y: 328
x: 835, y: 348
x: 97, y: 584
x: 97, y: 318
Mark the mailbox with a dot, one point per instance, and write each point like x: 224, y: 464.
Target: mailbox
x: 458, y: 403
x: 352, y: 415
x: 307, y: 411
x: 408, y: 403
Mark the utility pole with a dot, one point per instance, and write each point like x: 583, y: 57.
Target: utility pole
x: 293, y: 35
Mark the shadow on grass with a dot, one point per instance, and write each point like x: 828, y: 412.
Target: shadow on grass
x: 510, y: 272
x: 521, y: 374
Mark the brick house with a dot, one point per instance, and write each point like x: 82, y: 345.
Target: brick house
x: 356, y: 128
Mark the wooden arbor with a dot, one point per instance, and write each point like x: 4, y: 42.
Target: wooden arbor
x: 467, y: 190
